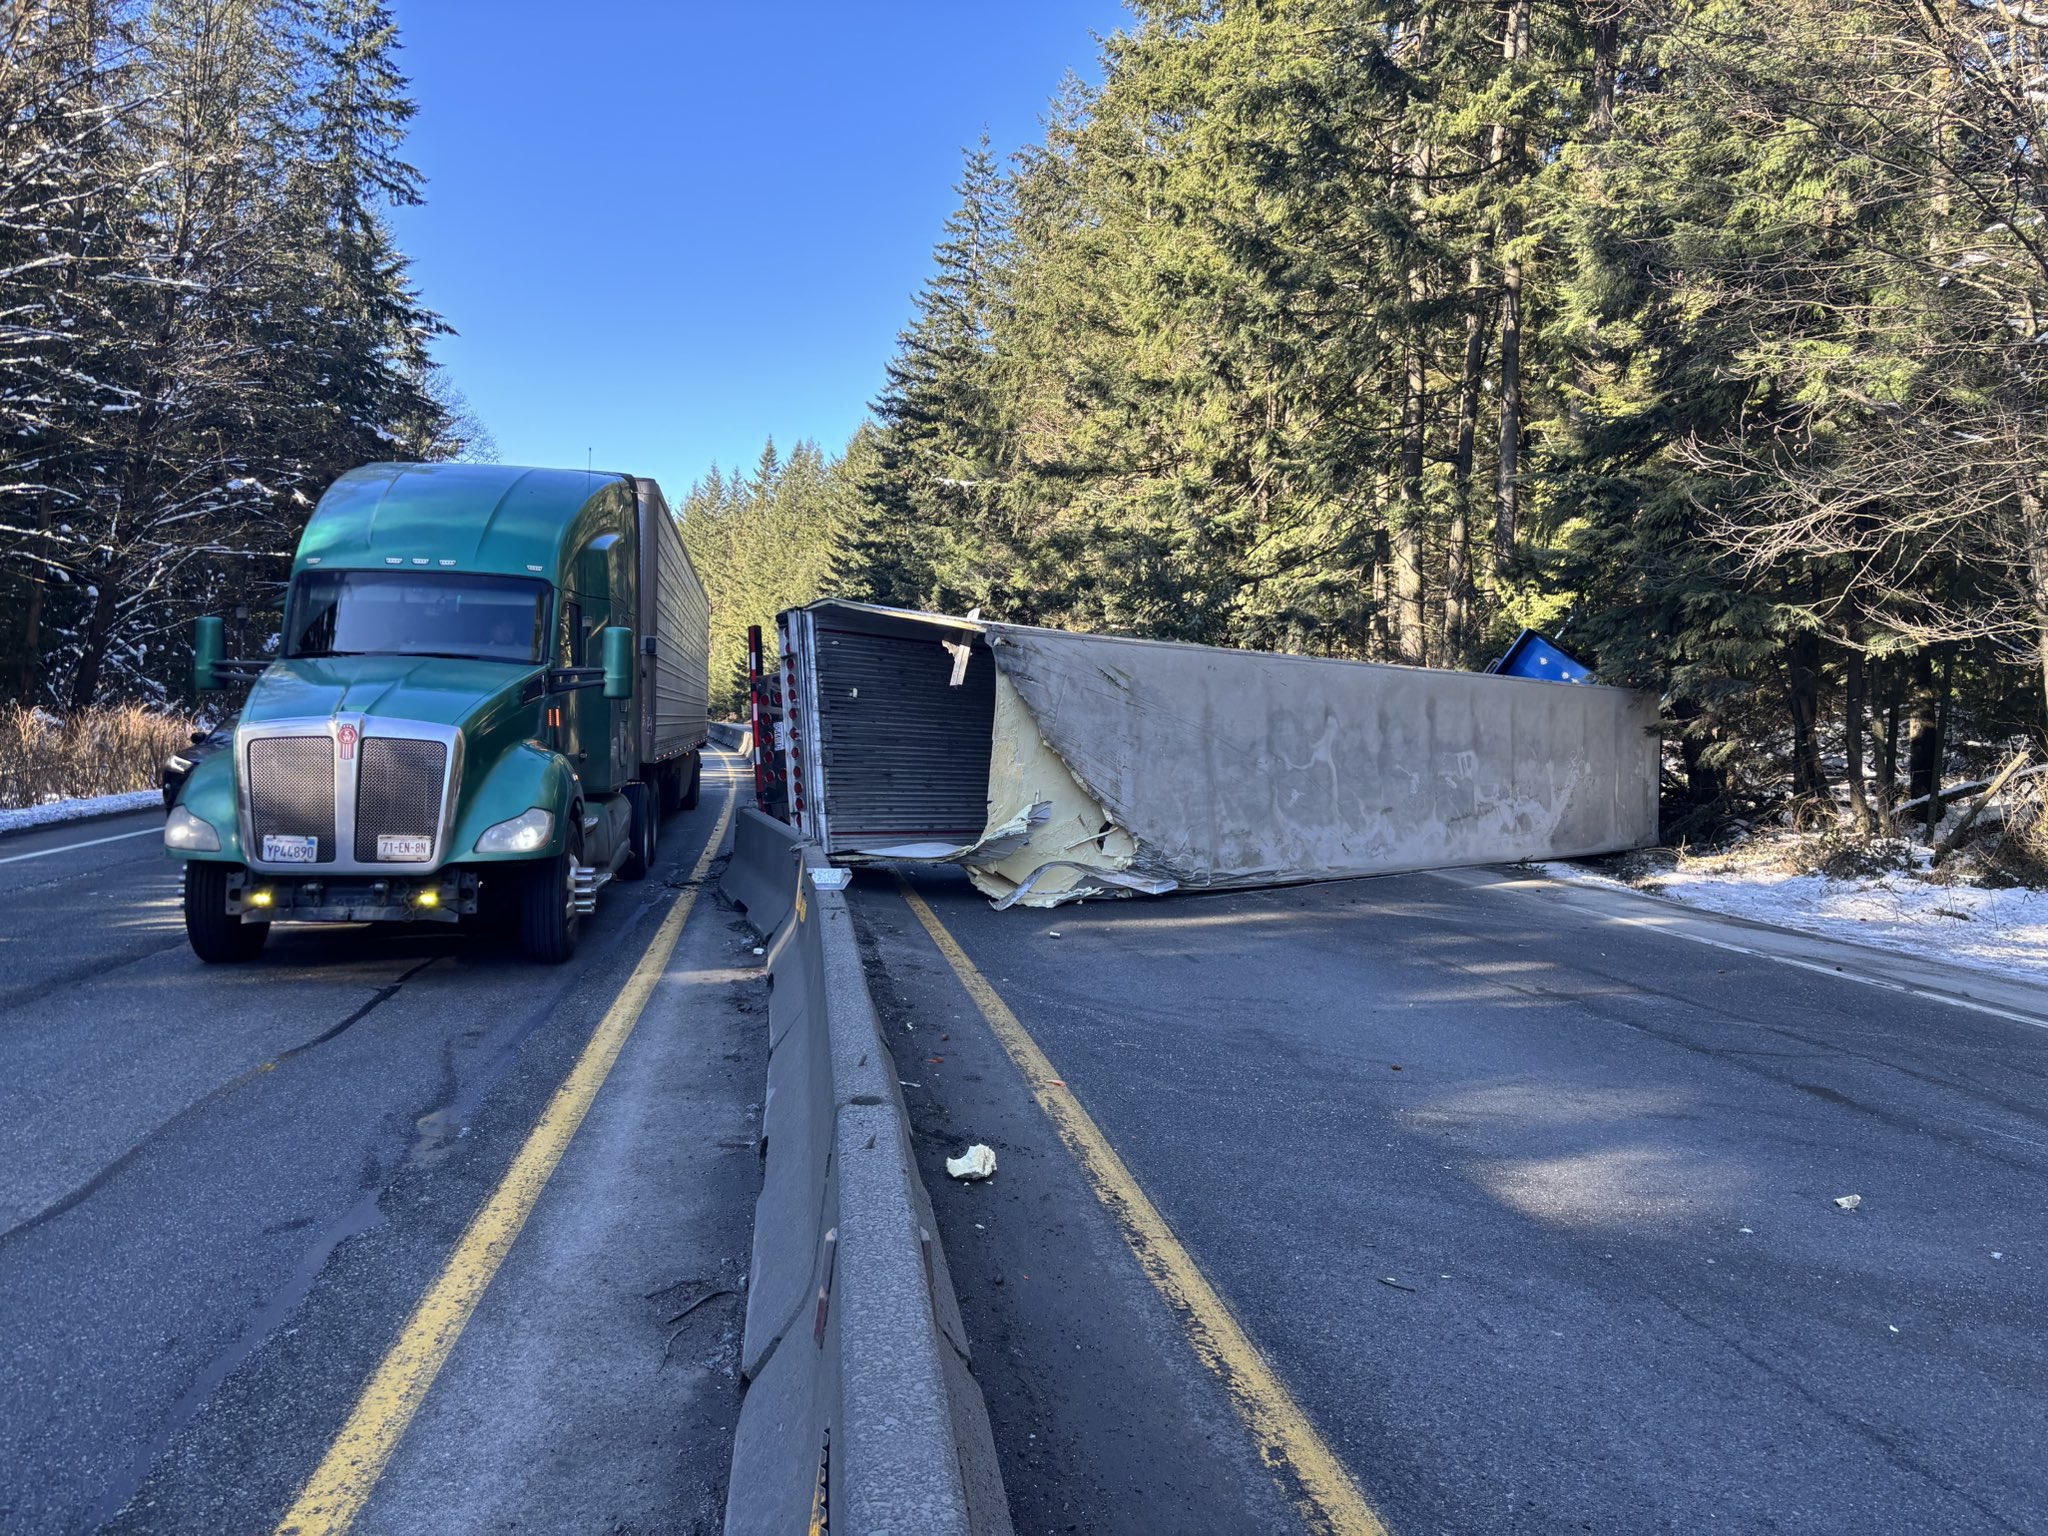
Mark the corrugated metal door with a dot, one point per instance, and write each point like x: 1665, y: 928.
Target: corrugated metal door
x: 905, y: 754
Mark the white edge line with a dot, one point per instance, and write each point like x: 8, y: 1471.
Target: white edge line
x: 91, y: 842
x: 1663, y: 926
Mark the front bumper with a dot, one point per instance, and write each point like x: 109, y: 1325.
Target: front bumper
x: 442, y: 897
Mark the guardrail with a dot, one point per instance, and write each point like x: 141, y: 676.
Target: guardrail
x: 860, y: 1404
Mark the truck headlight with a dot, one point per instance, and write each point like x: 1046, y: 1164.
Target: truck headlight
x: 185, y: 831
x: 522, y: 834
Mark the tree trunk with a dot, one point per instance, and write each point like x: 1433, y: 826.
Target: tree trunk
x: 1802, y: 696
x: 32, y: 624
x: 1606, y: 68
x: 1702, y: 779
x: 1458, y: 589
x: 2034, y: 529
x: 1894, y: 696
x: 1408, y: 536
x: 99, y: 632
x: 1382, y: 557
x: 1507, y: 509
x: 1852, y: 709
x: 1922, y: 728
x: 1941, y: 718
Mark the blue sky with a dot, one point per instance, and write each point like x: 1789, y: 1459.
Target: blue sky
x: 665, y: 231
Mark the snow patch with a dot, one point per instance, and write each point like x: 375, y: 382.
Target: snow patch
x: 53, y: 812
x: 2005, y: 931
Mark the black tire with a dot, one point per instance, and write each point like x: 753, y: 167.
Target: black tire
x: 548, y: 920
x: 643, y: 835
x: 218, y: 937
x: 696, y: 790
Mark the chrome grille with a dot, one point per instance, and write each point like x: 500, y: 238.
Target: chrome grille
x: 291, y: 790
x: 398, y: 792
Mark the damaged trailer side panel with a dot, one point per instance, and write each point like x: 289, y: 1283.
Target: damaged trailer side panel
x: 1109, y: 765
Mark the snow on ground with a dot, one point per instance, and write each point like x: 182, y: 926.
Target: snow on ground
x: 50, y: 813
x: 1994, y: 930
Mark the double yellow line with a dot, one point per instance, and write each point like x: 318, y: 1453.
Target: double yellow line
x: 1329, y: 1501
x: 348, y: 1474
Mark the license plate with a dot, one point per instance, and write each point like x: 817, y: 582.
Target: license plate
x: 290, y: 850
x: 404, y: 850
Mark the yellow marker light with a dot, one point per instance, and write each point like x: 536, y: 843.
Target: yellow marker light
x: 428, y: 898
x: 259, y: 899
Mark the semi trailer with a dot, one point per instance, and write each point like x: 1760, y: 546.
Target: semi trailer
x: 490, y: 684
x: 1056, y: 767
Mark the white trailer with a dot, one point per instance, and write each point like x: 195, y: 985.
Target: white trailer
x: 1057, y: 766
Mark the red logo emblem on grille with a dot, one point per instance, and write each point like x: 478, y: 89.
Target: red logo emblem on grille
x: 346, y: 736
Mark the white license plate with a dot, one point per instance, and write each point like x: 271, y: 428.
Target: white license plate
x: 290, y: 850
x: 404, y: 850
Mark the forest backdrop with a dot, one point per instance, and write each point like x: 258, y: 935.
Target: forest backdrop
x: 203, y: 319
x: 1707, y: 335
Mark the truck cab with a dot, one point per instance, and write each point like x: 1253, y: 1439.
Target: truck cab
x: 490, y: 685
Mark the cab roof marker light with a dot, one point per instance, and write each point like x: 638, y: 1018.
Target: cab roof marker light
x: 447, y: 562
x: 534, y: 567
x: 312, y: 559
x: 422, y: 560
x: 394, y: 559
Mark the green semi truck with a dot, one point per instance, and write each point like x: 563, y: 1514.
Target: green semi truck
x: 490, y: 685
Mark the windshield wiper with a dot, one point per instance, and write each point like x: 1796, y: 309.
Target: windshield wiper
x: 319, y: 655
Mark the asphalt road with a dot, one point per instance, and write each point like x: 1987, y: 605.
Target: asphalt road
x: 1530, y: 1206
x: 222, y: 1191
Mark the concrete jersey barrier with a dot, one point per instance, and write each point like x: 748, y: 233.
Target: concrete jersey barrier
x: 732, y: 735
x: 860, y: 1402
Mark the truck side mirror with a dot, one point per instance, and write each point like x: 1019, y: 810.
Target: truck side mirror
x: 618, y: 662
x: 209, y: 645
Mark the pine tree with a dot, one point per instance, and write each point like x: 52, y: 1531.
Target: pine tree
x: 929, y: 534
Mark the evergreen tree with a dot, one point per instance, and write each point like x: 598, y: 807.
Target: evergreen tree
x: 929, y: 535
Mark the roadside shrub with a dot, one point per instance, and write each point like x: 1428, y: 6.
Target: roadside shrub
x: 2019, y: 854
x: 1842, y: 853
x: 106, y: 751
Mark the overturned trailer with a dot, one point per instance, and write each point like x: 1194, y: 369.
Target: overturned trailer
x: 1057, y: 766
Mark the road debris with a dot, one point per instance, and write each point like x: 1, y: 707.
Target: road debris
x: 1397, y: 1285
x: 977, y: 1162
x: 1849, y: 1202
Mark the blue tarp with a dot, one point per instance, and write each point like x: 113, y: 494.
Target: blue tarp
x: 1533, y: 656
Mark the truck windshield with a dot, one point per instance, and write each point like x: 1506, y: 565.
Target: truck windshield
x: 416, y: 613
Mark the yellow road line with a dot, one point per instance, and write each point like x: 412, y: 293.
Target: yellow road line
x: 345, y: 1478
x: 1288, y: 1443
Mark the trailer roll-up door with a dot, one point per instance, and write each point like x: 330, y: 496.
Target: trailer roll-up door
x: 894, y: 763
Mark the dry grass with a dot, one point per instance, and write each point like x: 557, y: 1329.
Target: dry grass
x: 106, y: 751
x: 2018, y: 854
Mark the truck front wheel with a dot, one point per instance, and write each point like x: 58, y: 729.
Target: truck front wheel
x: 218, y: 936
x: 548, y: 920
